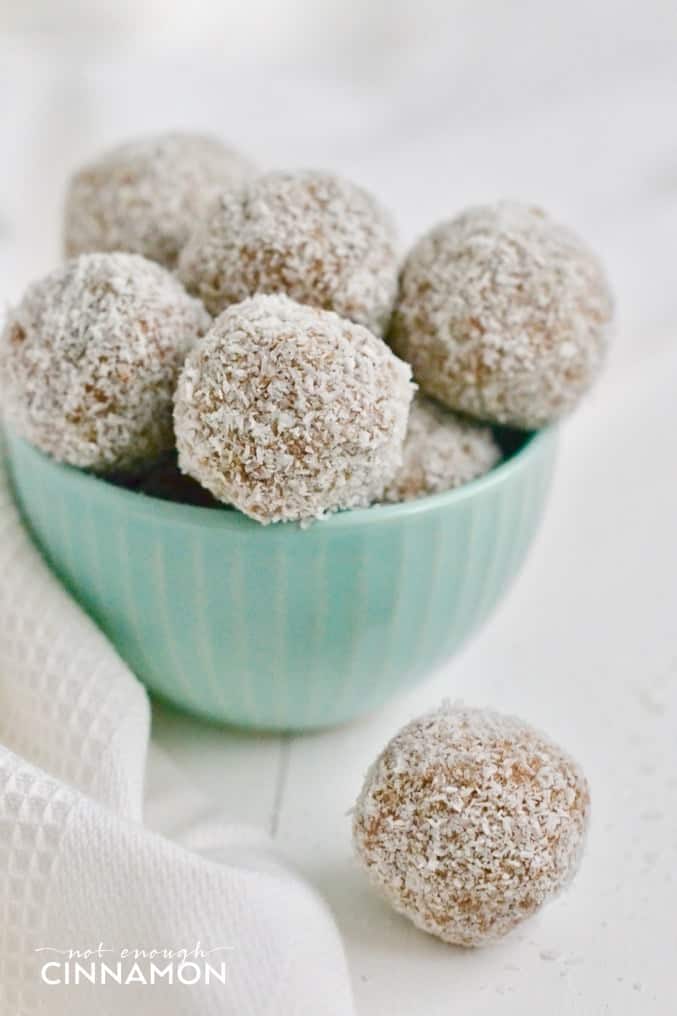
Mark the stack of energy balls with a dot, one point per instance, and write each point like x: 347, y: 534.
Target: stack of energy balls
x: 262, y: 327
x: 220, y: 336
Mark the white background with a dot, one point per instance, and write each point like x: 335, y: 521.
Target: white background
x: 435, y: 105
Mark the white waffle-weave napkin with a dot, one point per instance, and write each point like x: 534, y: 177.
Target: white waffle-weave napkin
x: 78, y: 868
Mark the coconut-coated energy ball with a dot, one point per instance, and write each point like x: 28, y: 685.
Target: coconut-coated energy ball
x: 288, y: 412
x: 144, y: 196
x: 469, y: 821
x: 90, y: 357
x: 310, y: 235
x: 504, y: 315
x: 441, y: 451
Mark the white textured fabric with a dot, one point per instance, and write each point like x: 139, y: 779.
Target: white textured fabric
x: 77, y: 866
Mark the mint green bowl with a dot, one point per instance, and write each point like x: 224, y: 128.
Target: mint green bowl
x: 277, y: 627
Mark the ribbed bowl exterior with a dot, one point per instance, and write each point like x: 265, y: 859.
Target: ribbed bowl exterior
x: 278, y: 627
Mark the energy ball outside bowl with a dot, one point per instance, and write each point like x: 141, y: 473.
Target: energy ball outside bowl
x: 288, y: 412
x: 504, y: 315
x: 309, y: 235
x: 469, y: 821
x: 90, y: 357
x: 441, y: 451
x: 144, y: 196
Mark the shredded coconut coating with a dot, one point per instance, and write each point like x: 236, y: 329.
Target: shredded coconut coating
x: 90, y: 357
x: 504, y: 315
x: 441, y: 451
x: 144, y: 196
x: 309, y: 235
x: 469, y: 821
x: 288, y: 412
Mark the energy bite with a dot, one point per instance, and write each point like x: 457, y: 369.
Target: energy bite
x: 144, y: 196
x: 288, y: 412
x: 504, y: 315
x: 441, y: 451
x: 309, y: 235
x: 469, y: 821
x: 90, y: 357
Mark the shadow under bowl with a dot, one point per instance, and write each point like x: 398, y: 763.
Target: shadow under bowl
x: 277, y: 627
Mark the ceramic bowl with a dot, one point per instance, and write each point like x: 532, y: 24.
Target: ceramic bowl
x: 280, y: 627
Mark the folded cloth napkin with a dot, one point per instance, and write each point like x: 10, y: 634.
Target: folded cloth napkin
x: 84, y: 885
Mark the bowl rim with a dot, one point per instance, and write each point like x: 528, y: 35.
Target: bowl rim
x: 171, y: 512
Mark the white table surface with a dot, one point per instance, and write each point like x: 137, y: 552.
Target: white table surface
x: 576, y: 111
